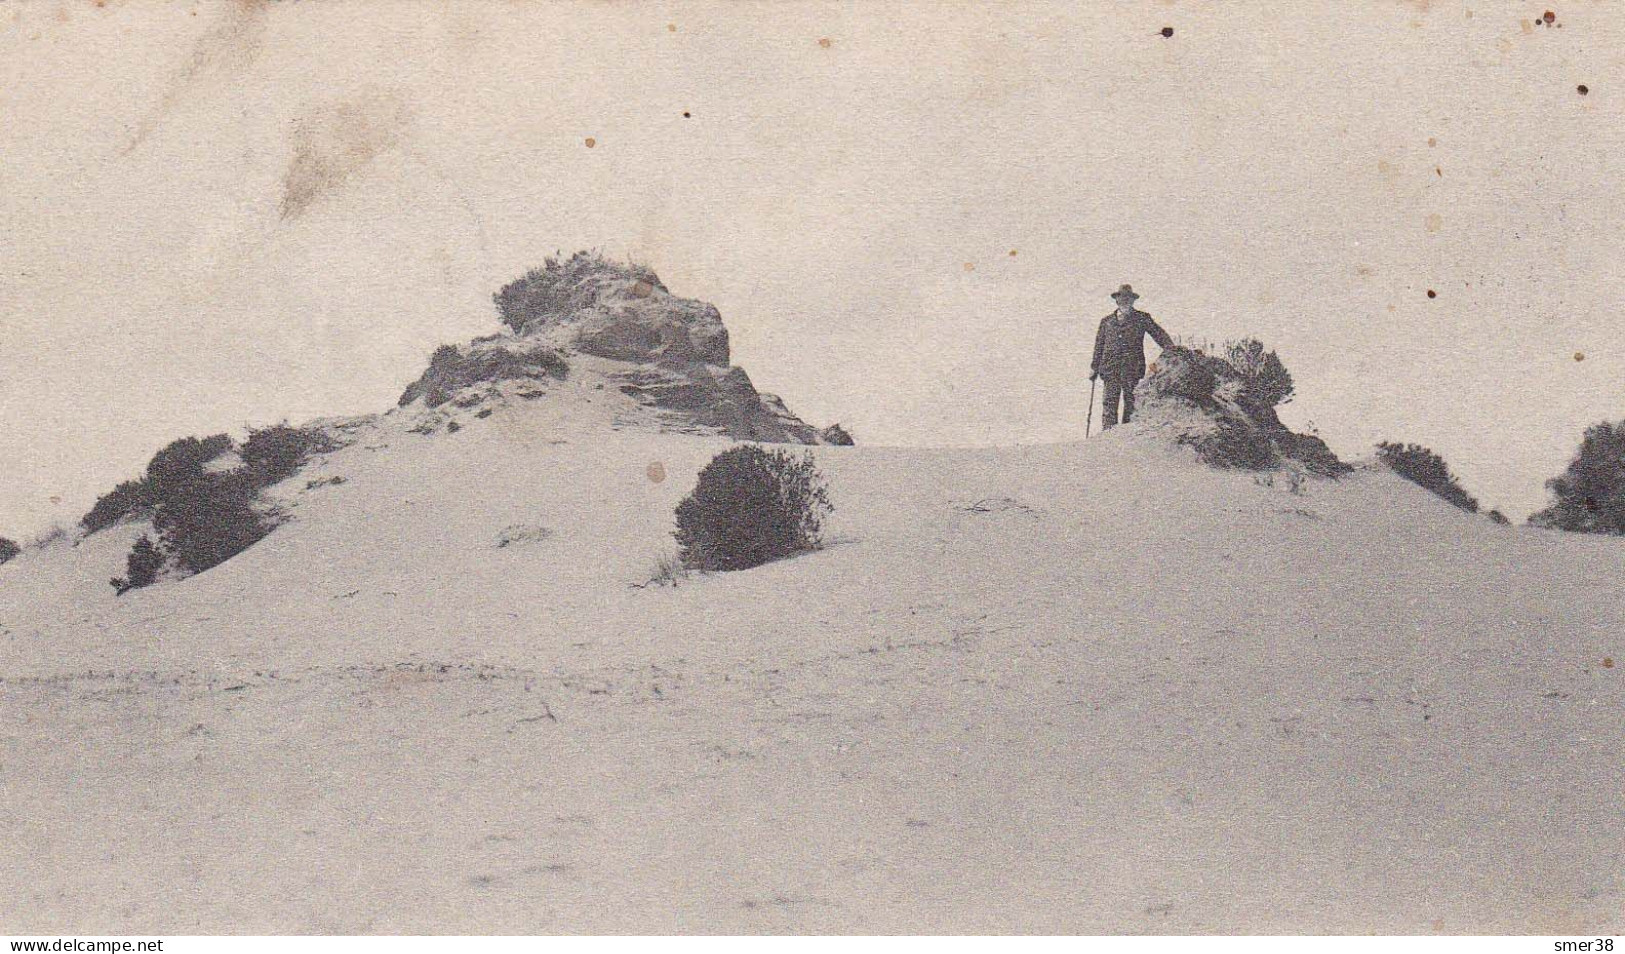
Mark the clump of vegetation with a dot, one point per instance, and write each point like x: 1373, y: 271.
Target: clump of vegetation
x: 203, y: 512
x: 751, y: 506
x: 562, y: 287
x: 1265, y: 380
x: 450, y: 370
x: 668, y: 570
x: 1590, y: 493
x: 141, y: 567
x: 1239, y: 388
x: 8, y: 550
x: 1234, y: 446
x: 1262, y: 380
x: 272, y: 454
x: 202, y: 508
x: 1427, y: 470
x: 204, y: 516
x: 131, y: 499
x: 1189, y: 374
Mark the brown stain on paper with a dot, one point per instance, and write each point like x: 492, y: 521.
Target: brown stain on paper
x: 224, y: 50
x: 332, y: 143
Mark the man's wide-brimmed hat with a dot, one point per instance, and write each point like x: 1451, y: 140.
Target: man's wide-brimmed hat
x: 1126, y: 293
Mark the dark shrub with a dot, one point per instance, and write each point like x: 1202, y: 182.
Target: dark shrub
x: 270, y: 454
x: 1427, y: 470
x: 1590, y: 494
x: 1234, y: 446
x: 1312, y: 452
x: 132, y: 498
x: 273, y: 454
x: 203, y: 517
x: 1497, y: 516
x: 181, y: 461
x: 8, y: 550
x: 1194, y: 374
x: 1265, y: 380
x: 211, y: 526
x: 141, y: 567
x: 751, y: 506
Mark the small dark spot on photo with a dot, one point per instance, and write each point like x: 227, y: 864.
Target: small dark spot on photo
x: 1167, y: 32
x: 686, y: 114
x: 1432, y: 293
x: 1549, y: 16
x: 1582, y: 89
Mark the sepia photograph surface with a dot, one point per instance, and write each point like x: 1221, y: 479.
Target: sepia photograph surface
x: 1119, y: 468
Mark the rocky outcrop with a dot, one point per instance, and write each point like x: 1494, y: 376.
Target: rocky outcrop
x: 1203, y: 401
x: 453, y: 369
x: 613, y: 310
x: 836, y: 435
x: 668, y: 354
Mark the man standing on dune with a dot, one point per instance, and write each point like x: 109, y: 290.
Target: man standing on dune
x: 1120, y: 353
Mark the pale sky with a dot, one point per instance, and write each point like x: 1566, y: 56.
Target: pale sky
x: 216, y: 216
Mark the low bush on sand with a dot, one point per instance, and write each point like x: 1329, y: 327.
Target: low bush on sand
x: 751, y: 506
x: 1427, y: 470
x: 1590, y: 493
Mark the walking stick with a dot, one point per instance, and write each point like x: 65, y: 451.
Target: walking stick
x: 1089, y: 419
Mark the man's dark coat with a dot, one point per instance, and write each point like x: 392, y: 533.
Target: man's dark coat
x: 1120, y: 346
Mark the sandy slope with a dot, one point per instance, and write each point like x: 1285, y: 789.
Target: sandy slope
x: 1081, y: 687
